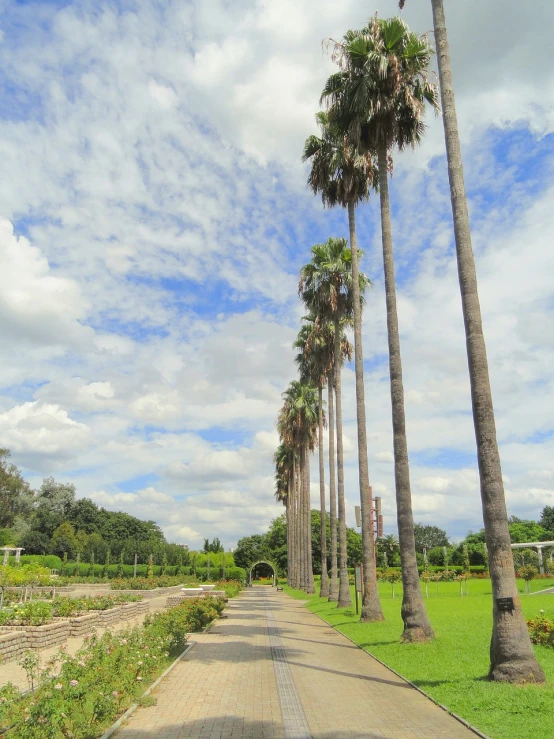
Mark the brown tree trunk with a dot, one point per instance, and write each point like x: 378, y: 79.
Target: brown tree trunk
x: 302, y: 519
x: 288, y: 508
x: 324, y: 589
x: 344, y: 587
x: 416, y: 622
x: 371, y: 607
x: 296, y: 527
x: 511, y: 653
x: 334, y: 584
x: 310, y: 588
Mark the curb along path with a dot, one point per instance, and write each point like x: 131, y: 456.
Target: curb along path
x: 273, y: 669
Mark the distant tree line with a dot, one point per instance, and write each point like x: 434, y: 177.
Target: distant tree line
x: 51, y: 520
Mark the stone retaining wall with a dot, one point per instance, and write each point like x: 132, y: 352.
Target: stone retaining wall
x: 43, y: 589
x: 175, y: 600
x: 12, y: 645
x: 14, y: 640
x: 42, y: 637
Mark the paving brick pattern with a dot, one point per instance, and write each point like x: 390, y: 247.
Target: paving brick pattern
x: 273, y: 669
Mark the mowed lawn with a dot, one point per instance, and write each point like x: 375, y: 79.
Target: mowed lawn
x: 453, y: 668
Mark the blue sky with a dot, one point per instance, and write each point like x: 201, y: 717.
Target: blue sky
x: 153, y: 219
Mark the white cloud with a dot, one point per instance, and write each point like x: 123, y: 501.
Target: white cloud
x: 153, y: 160
x: 43, y: 429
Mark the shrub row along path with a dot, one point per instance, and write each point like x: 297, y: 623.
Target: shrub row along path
x: 12, y: 672
x: 273, y: 669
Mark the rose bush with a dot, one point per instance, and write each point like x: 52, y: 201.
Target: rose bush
x: 80, y: 695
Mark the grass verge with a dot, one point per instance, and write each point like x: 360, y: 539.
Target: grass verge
x: 453, y: 668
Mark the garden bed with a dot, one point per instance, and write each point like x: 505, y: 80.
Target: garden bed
x: 175, y: 600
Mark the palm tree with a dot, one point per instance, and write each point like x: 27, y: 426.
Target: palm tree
x: 313, y: 363
x: 283, y: 481
x: 286, y: 429
x: 378, y: 99
x: 344, y: 177
x: 326, y: 289
x: 512, y: 656
x: 301, y: 411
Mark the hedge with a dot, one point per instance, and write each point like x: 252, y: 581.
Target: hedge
x: 45, y: 560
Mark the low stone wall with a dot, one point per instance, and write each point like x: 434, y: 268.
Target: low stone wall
x: 12, y: 645
x: 42, y: 637
x: 148, y: 594
x: 175, y: 600
x: 43, y: 589
x: 83, y: 625
x: 14, y: 640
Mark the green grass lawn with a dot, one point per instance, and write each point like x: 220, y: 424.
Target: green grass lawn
x: 453, y: 668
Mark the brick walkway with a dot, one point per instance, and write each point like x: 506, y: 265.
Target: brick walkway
x: 273, y: 669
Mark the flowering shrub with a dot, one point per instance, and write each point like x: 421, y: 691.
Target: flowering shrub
x: 541, y: 630
x: 146, y: 583
x: 38, y: 612
x: 105, y: 676
x: 231, y: 587
x: 33, y: 613
x: 25, y: 575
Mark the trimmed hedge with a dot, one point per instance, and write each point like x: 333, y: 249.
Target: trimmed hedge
x: 45, y: 560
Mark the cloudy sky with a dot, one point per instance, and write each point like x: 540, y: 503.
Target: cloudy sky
x: 153, y: 219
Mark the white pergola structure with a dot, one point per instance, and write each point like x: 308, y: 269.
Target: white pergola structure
x: 8, y: 550
x: 539, y: 546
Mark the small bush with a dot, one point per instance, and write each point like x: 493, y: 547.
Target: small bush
x: 541, y: 631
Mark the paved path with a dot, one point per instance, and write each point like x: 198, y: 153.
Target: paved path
x: 12, y: 672
x: 273, y: 669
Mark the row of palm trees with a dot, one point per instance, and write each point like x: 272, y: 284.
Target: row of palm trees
x: 374, y: 104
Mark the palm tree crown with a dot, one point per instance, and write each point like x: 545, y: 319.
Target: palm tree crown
x: 338, y: 170
x: 326, y: 282
x: 378, y: 96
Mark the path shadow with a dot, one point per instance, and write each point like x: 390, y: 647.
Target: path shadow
x: 229, y: 727
x: 397, y: 683
x: 318, y: 641
x: 238, y: 650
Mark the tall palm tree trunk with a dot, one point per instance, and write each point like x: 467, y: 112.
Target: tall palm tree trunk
x: 324, y: 589
x: 371, y: 607
x: 416, y: 622
x: 334, y: 584
x: 344, y: 587
x: 310, y: 588
x: 288, y: 508
x: 301, y: 524
x: 295, y: 525
x: 512, y: 656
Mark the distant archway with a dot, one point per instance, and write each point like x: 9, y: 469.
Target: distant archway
x: 267, y: 564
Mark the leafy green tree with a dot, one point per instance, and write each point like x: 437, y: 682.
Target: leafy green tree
x: 250, y: 549
x: 35, y: 542
x: 427, y: 537
x: 528, y: 531
x: 377, y: 101
x: 511, y: 653
x: 15, y: 494
x: 547, y: 519
x: 214, y: 546
x: 63, y: 540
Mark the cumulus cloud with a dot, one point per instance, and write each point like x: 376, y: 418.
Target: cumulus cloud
x: 148, y: 284
x: 43, y: 429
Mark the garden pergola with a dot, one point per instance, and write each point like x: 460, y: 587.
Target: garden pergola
x: 7, y: 551
x: 539, y: 546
